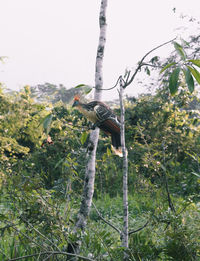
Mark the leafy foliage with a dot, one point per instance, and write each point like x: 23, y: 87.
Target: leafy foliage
x: 185, y: 65
x: 42, y: 150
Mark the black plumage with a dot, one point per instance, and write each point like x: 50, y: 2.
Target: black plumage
x: 104, y: 118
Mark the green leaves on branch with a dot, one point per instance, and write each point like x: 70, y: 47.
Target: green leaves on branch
x: 46, y: 122
x: 195, y: 73
x: 180, y: 50
x: 167, y: 66
x: 189, y: 72
x: 185, y: 66
x: 195, y: 62
x: 86, y: 88
x: 84, y: 137
x: 173, y: 81
x: 79, y: 86
x: 189, y: 79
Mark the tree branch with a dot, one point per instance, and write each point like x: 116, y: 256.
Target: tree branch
x: 107, y: 222
x: 141, y: 62
x: 20, y: 232
x: 108, y: 89
x: 51, y: 253
x: 152, y: 65
x: 39, y: 233
x: 134, y: 231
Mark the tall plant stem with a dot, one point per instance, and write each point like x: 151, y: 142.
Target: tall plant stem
x: 125, y: 233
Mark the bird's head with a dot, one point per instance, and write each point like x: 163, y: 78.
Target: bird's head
x: 76, y: 101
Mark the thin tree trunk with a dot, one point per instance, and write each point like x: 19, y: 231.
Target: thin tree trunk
x: 88, y: 189
x: 100, y: 51
x: 93, y: 140
x: 125, y: 234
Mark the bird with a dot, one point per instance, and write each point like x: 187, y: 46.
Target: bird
x: 104, y: 118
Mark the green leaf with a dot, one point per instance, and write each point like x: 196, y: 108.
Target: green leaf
x: 195, y: 73
x: 79, y: 86
x: 194, y: 173
x: 167, y: 66
x: 189, y: 79
x: 87, y: 89
x: 109, y: 153
x: 47, y: 123
x: 180, y: 50
x: 147, y: 70
x: 185, y: 42
x: 173, y: 81
x: 84, y: 137
x: 154, y: 59
x: 59, y: 163
x: 195, y: 62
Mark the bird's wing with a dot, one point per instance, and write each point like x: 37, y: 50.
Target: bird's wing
x: 104, y: 113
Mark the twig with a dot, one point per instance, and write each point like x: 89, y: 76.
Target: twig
x: 171, y: 205
x: 79, y: 128
x: 48, y: 257
x: 51, y: 253
x: 107, y: 222
x: 20, y: 232
x: 141, y: 62
x: 37, y: 231
x: 152, y: 65
x: 134, y: 231
x: 108, y: 89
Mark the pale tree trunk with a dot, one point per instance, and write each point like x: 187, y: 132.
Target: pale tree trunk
x: 100, y: 51
x: 93, y: 140
x: 88, y: 189
x: 124, y: 233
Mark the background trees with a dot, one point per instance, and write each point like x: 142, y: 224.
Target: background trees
x: 41, y: 182
x: 40, y: 186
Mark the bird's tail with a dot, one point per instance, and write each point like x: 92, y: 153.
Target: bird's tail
x: 116, y: 144
x: 118, y: 151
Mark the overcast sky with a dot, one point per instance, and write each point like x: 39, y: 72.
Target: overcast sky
x: 55, y: 41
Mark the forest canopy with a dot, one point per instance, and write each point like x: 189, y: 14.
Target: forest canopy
x: 41, y: 182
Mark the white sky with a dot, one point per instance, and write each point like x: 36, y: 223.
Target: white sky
x: 55, y: 41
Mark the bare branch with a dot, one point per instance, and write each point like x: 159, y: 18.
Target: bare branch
x: 51, y: 253
x: 134, y: 231
x: 108, y: 89
x: 152, y: 65
x: 38, y: 232
x: 141, y: 62
x: 30, y: 239
x: 107, y: 222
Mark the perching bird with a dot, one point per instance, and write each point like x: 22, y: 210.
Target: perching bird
x: 104, y: 118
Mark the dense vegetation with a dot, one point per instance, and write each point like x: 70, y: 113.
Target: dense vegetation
x: 41, y: 181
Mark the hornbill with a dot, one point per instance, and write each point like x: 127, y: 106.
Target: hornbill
x: 104, y: 118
